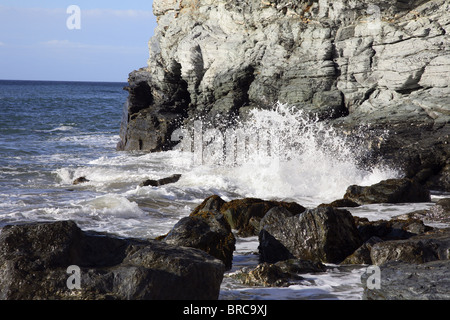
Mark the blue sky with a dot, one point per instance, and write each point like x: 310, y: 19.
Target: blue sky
x: 36, y: 44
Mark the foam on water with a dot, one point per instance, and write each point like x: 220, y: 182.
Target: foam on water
x: 285, y: 155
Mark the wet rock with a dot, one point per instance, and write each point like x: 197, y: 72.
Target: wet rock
x: 362, y: 254
x: 80, y: 180
x: 160, y: 182
x: 207, y: 232
x: 34, y: 259
x: 341, y: 203
x: 405, y: 281
x: 212, y: 203
x: 389, y: 191
x: 429, y: 246
x: 217, y: 60
x: 394, y: 229
x: 266, y: 275
x: 280, y: 274
x: 439, y: 213
x: 323, y: 234
x: 245, y: 215
x: 299, y: 266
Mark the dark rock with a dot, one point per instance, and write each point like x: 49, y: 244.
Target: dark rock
x: 213, y: 203
x: 280, y: 274
x: 389, y: 191
x: 153, y: 110
x: 270, y: 249
x: 210, y: 234
x: 394, y: 229
x: 156, y: 183
x: 429, y: 246
x: 34, y: 259
x: 341, y: 203
x: 205, y: 229
x: 244, y: 215
x: 444, y: 205
x: 299, y: 266
x: 266, y: 275
x: 405, y: 281
x: 362, y: 254
x: 80, y: 180
x: 323, y: 234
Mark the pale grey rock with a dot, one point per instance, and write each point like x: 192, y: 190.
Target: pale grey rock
x: 382, y: 62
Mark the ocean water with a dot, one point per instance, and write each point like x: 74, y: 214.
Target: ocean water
x: 54, y: 132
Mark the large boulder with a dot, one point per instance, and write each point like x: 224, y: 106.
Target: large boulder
x: 389, y: 191
x: 206, y: 229
x: 34, y: 262
x: 323, y: 234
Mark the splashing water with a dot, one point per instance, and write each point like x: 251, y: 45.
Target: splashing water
x: 280, y: 153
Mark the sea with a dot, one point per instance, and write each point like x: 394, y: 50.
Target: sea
x: 52, y: 133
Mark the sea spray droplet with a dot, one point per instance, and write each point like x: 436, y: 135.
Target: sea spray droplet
x: 281, y: 153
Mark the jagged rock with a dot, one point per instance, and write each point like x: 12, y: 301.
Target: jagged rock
x: 430, y: 246
x: 205, y: 229
x: 34, y: 259
x: 393, y: 229
x: 323, y: 234
x: 245, y: 215
x: 160, y: 182
x: 405, y: 281
x: 208, y: 232
x: 280, y: 274
x: 389, y: 191
x: 362, y: 254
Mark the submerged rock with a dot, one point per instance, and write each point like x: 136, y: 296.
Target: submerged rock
x: 389, y: 191
x: 156, y: 183
x: 34, y: 259
x: 80, y: 180
x: 205, y: 229
x: 323, y: 234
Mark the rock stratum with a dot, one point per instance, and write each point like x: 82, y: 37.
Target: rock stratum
x: 385, y: 63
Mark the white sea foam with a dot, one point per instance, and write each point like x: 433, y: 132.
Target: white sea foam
x: 287, y: 155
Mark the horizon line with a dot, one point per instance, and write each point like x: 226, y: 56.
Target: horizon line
x: 97, y: 81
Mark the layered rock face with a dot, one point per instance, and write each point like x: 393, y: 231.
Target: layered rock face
x: 382, y: 62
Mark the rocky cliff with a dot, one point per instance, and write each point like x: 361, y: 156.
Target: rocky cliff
x: 383, y: 62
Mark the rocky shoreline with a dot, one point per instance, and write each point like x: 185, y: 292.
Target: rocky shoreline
x: 190, y: 261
